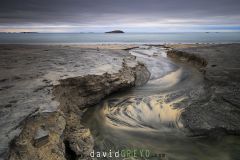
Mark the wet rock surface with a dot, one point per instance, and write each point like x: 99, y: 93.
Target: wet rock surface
x: 219, y: 108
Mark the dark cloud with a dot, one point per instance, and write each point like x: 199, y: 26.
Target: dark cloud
x: 110, y: 12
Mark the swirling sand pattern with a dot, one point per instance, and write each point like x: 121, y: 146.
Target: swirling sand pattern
x: 150, y: 112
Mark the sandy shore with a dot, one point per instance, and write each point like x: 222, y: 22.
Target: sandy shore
x: 29, y: 72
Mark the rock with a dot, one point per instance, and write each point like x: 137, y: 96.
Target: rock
x: 89, y: 90
x: 38, y: 70
x: 115, y: 31
x: 36, y: 142
x: 219, y: 107
x: 41, y: 137
x: 63, y: 131
x: 185, y: 56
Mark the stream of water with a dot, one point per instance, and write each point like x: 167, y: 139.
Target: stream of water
x: 147, y: 118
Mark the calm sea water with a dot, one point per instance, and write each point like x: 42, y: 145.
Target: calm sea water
x: 161, y: 38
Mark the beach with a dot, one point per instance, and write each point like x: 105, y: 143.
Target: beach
x: 50, y: 97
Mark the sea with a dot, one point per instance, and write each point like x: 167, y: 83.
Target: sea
x: 125, y: 38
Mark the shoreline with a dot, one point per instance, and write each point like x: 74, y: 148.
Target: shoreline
x: 106, y: 53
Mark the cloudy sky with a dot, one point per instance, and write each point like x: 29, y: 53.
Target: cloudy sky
x: 127, y: 15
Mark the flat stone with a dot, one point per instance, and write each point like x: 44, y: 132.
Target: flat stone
x: 41, y: 137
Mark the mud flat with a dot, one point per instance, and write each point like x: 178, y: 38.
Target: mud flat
x: 45, y: 91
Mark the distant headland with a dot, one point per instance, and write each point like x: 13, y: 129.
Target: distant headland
x: 115, y: 31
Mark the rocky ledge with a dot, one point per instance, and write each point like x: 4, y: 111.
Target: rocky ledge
x: 59, y: 134
x: 30, y: 72
x: 219, y: 110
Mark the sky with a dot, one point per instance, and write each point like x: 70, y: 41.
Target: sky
x: 126, y: 15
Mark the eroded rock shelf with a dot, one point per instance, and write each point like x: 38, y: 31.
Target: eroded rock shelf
x: 62, y: 133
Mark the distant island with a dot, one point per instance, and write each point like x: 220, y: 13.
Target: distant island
x: 115, y: 31
x: 28, y: 32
